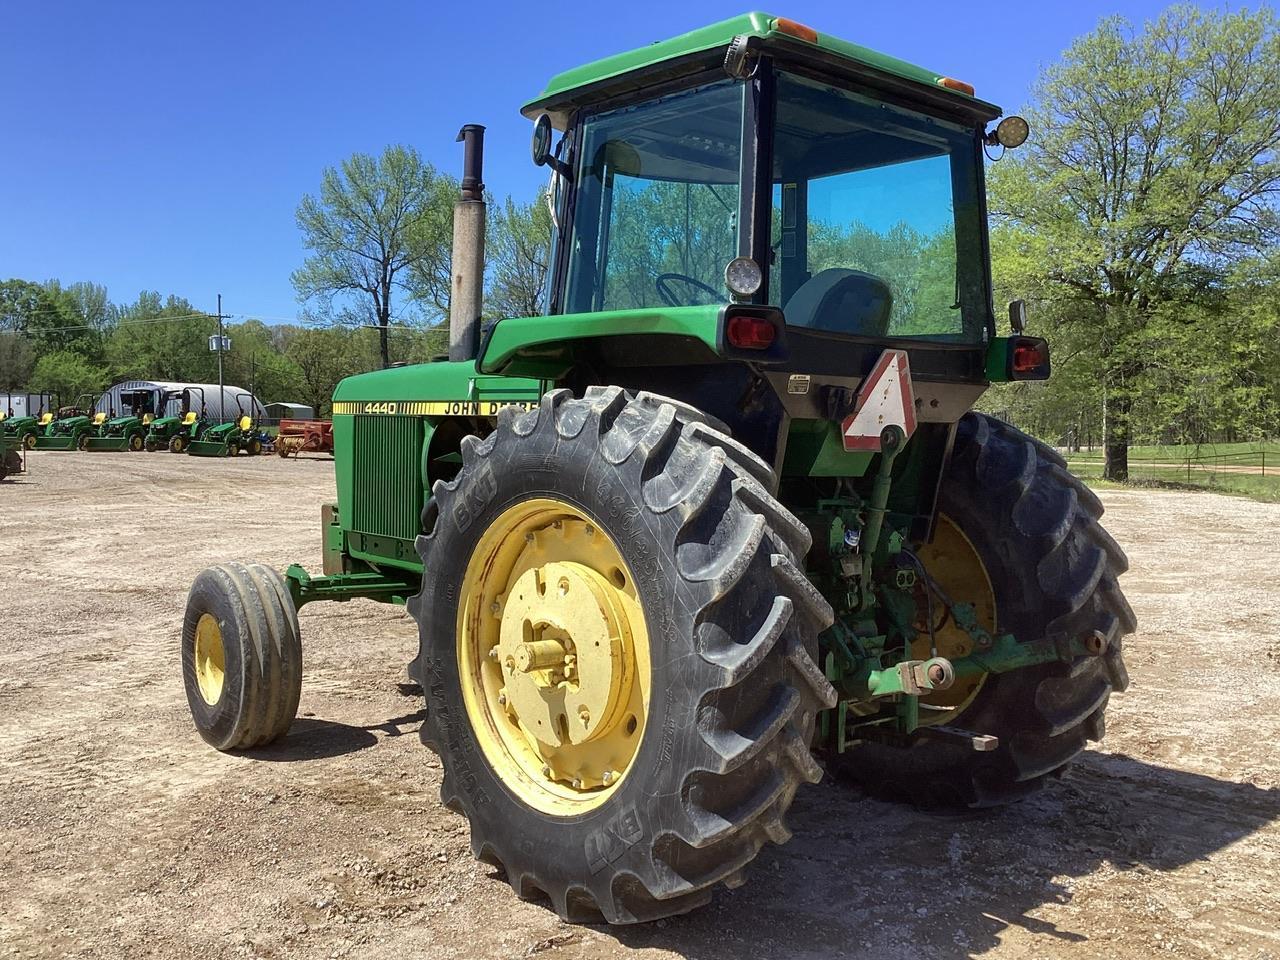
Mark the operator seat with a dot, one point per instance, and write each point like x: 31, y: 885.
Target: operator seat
x: 842, y: 301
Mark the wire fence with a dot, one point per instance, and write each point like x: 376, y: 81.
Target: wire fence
x: 1249, y: 469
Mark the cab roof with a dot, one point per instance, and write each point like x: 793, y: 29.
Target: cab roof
x: 629, y: 73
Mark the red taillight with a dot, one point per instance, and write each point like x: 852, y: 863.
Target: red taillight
x: 1030, y: 355
x: 750, y: 333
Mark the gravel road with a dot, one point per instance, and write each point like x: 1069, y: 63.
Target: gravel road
x: 123, y: 835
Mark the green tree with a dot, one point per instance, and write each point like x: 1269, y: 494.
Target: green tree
x: 323, y: 356
x: 17, y: 360
x: 519, y: 258
x: 68, y: 374
x: 381, y: 227
x: 1152, y: 168
x: 161, y: 339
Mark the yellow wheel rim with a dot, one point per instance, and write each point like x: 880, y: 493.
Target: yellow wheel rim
x: 553, y: 657
x: 210, y: 659
x: 953, y: 562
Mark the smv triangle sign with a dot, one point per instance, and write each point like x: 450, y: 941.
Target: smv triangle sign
x: 884, y: 399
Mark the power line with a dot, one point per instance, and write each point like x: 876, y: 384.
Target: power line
x: 178, y: 319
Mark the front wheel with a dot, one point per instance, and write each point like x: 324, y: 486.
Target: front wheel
x: 177, y: 444
x: 241, y: 656
x: 617, y: 647
x: 29, y: 441
x: 1018, y: 537
x: 136, y: 442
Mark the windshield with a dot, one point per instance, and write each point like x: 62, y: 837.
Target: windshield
x: 877, y: 226
x: 656, y: 207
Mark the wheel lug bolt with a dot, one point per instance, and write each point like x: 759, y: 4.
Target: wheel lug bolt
x: 502, y: 697
x: 495, y: 607
x: 590, y: 531
x: 608, y: 777
x: 577, y: 783
x: 546, y: 771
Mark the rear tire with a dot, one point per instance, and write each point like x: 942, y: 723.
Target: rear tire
x: 241, y: 656
x: 1054, y: 571
x: 82, y: 442
x: 255, y: 447
x: 734, y: 624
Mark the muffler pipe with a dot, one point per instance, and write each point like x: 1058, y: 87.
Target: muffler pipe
x: 466, y: 294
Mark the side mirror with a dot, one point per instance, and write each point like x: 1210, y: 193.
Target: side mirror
x: 540, y: 147
x: 1017, y: 315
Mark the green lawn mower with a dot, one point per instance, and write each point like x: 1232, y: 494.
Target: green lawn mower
x: 23, y: 430
x: 163, y: 428
x: 72, y: 429
x: 124, y: 433
x: 190, y: 428
x: 229, y: 439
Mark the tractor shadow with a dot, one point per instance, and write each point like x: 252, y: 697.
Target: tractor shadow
x: 314, y: 739
x: 866, y: 878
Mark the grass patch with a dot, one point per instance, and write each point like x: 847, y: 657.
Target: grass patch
x: 1254, y: 486
x: 1244, y: 454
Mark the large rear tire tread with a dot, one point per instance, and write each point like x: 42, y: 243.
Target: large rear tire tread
x: 1055, y: 573
x: 738, y: 604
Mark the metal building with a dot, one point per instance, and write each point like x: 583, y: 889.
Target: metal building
x: 165, y: 398
x: 25, y: 404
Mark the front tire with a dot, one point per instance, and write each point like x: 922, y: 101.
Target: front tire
x: 712, y: 565
x: 177, y: 444
x: 1054, y: 572
x: 241, y: 656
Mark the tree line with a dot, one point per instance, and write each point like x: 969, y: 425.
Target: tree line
x: 1140, y: 223
x: 374, y: 288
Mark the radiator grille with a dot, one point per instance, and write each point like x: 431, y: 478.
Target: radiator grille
x: 388, y: 476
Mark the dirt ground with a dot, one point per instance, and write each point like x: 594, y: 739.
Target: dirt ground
x: 123, y: 835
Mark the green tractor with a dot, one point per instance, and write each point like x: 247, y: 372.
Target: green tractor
x: 24, y: 430
x: 73, y: 426
x: 162, y: 430
x: 127, y: 432
x: 11, y: 456
x: 241, y: 435
x: 724, y: 517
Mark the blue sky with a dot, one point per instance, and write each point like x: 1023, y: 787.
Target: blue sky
x: 165, y: 146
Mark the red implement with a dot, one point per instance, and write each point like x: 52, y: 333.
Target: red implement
x: 304, y: 436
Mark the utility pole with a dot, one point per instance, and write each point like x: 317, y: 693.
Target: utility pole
x: 221, y: 391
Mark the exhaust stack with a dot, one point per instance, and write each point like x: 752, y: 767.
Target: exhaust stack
x: 466, y: 296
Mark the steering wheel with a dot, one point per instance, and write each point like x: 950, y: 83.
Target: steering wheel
x: 669, y: 297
